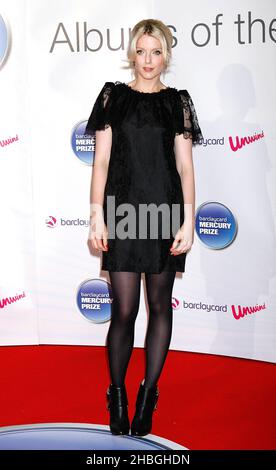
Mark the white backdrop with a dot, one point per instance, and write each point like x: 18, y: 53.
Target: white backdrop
x: 48, y: 84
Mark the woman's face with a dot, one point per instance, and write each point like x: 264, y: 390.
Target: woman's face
x: 149, y: 59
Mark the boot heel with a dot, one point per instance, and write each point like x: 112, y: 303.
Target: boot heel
x: 146, y: 404
x: 118, y: 408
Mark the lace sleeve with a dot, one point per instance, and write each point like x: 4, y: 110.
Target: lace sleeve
x: 186, y: 119
x: 101, y: 115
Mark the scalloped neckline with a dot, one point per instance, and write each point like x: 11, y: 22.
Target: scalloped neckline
x: 145, y: 92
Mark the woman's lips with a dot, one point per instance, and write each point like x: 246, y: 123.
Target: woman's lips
x: 147, y: 69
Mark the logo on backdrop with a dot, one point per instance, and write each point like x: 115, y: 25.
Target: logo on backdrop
x: 52, y: 222
x: 243, y: 141
x: 94, y: 299
x: 215, y: 225
x: 239, y: 311
x: 5, y: 301
x: 4, y: 40
x: 83, y: 145
x: 175, y: 303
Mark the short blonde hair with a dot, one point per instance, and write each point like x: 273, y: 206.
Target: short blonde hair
x: 158, y: 30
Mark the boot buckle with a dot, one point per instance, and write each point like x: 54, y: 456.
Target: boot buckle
x: 108, y: 398
x: 156, y: 398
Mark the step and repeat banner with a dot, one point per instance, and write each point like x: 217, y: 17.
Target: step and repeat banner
x: 55, y: 57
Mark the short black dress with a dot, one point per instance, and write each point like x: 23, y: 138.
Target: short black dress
x: 142, y: 170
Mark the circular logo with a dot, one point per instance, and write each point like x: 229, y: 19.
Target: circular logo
x: 4, y: 40
x: 94, y: 299
x: 83, y: 145
x: 215, y: 225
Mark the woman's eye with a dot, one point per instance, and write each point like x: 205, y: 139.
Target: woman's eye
x: 156, y: 52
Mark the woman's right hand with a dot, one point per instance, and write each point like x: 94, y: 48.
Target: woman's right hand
x: 98, y: 233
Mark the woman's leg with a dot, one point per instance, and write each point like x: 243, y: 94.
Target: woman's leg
x: 159, y: 294
x: 120, y: 338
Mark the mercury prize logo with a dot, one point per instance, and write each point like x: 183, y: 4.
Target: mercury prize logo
x: 83, y: 145
x: 4, y: 40
x: 215, y: 225
x: 94, y: 299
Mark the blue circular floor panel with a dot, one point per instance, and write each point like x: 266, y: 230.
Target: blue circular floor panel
x: 75, y: 436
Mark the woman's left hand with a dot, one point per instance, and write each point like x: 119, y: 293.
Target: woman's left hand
x: 184, y: 238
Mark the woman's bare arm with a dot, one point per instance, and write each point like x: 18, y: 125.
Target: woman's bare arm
x: 185, y: 168
x: 98, y: 182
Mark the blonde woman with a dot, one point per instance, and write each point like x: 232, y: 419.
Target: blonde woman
x: 145, y: 131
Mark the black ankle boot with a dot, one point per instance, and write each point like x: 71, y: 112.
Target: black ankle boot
x: 146, y: 403
x: 118, y: 408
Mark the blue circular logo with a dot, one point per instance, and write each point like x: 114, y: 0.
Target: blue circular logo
x: 215, y: 225
x: 4, y: 40
x: 94, y: 299
x: 83, y: 145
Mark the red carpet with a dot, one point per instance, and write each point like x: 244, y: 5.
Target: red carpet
x: 205, y: 402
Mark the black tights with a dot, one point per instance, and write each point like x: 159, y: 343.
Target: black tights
x: 125, y: 306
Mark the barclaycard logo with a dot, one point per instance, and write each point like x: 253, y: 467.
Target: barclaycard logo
x: 175, y: 303
x: 4, y: 40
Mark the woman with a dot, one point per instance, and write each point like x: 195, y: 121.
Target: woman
x: 142, y: 158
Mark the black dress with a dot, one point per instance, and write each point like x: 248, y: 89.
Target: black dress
x: 142, y: 169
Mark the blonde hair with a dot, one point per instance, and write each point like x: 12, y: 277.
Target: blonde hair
x: 158, y: 30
